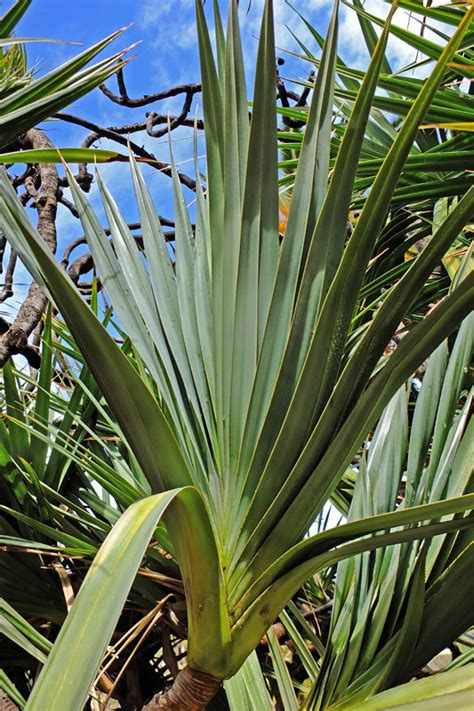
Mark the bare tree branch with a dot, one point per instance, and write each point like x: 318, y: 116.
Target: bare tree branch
x: 124, y: 100
x: 7, y: 290
x: 83, y: 264
x: 153, y: 119
x: 6, y: 704
x: 14, y: 339
x: 102, y: 132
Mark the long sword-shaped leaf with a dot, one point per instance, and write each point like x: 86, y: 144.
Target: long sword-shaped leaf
x: 338, y: 306
x: 246, y: 690
x: 126, y: 278
x: 16, y: 410
x: 220, y: 40
x: 421, y: 43
x: 259, y: 235
x: 12, y: 17
x: 70, y: 155
x: 320, y: 543
x: 324, y: 357
x: 423, y: 419
x: 133, y: 404
x: 66, y: 678
x: 308, y: 195
x: 283, y: 678
x: 39, y: 641
x: 10, y: 689
x: 370, y: 37
x: 185, y: 276
x: 202, y: 282
x: 417, y: 346
x: 447, y: 690
x: 324, y: 254
x: 226, y: 265
x: 43, y: 97
x: 121, y: 279
x: 445, y: 615
x: 250, y: 621
x: 455, y: 376
x: 384, y: 474
x: 212, y: 94
x: 162, y: 279
x: 302, y: 504
x: 371, y: 346
x: 19, y: 631
x: 449, y: 14
x: 55, y: 80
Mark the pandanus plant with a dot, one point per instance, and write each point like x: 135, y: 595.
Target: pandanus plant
x: 242, y: 403
x: 396, y: 608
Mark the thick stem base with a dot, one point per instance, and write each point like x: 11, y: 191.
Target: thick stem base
x: 191, y: 691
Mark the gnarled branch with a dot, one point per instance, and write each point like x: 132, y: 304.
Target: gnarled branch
x: 14, y: 339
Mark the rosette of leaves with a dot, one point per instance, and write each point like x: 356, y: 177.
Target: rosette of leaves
x: 243, y: 405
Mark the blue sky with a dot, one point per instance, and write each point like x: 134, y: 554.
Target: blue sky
x: 166, y: 55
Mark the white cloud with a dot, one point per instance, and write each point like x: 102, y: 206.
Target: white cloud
x: 351, y: 42
x: 351, y: 38
x: 171, y: 20
x: 286, y: 17
x: 152, y: 11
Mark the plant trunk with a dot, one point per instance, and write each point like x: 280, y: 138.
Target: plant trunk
x: 6, y: 704
x: 191, y: 691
